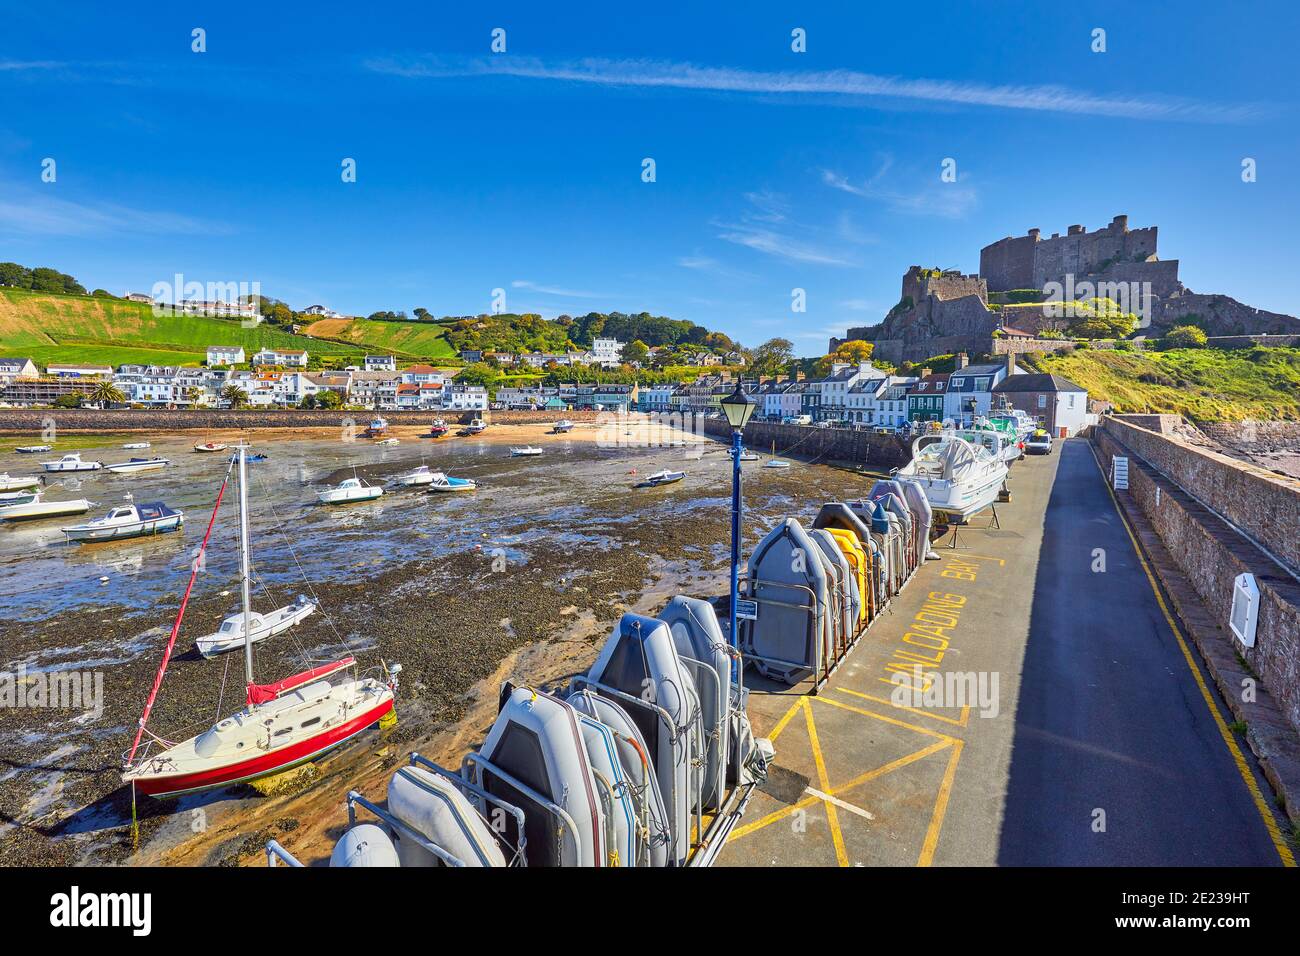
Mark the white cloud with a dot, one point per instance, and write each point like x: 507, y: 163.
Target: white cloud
x: 831, y: 83
x: 46, y: 215
x: 555, y: 290
x: 934, y: 198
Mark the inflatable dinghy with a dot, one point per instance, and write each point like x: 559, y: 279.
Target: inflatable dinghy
x: 435, y: 808
x: 366, y: 844
x: 787, y: 578
x: 706, y: 654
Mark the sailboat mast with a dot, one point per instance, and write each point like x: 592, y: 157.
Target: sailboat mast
x: 243, y: 567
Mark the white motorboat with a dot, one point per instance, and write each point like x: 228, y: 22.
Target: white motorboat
x: 349, y: 489
x: 665, y: 477
x: 562, y: 426
x: 776, y: 463
x: 476, y: 426
x: 420, y: 476
x: 387, y: 441
x: 744, y: 455
x: 138, y: 464
x: 958, y: 477
x: 230, y: 636
x: 33, y: 449
x: 8, y: 483
x: 999, y: 444
x: 282, y: 725
x: 39, y: 508
x: 72, y: 462
x: 446, y: 483
x: 128, y: 521
x: 18, y: 497
x: 525, y: 451
x: 211, y: 446
x: 134, y: 445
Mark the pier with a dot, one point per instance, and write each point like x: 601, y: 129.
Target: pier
x: 1090, y: 733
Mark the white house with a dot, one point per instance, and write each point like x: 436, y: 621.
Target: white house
x: 374, y: 389
x: 970, y: 387
x: 16, y: 368
x: 322, y: 311
x: 233, y: 310
x: 833, y: 390
x: 138, y: 297
x: 79, y: 371
x: 606, y: 351
x: 381, y: 363
x: 294, y: 359
x: 225, y: 355
x: 465, y: 398
x: 423, y: 375
x: 1058, y: 403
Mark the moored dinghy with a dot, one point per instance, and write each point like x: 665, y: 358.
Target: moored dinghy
x: 788, y: 580
x: 446, y: 484
x: 18, y: 483
x: 348, y: 490
x: 138, y: 464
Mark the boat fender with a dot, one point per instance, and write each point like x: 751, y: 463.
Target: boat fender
x: 364, y: 845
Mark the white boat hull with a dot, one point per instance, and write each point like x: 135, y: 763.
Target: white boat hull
x: 131, y: 467
x: 44, y: 509
x: 273, y: 623
x: 18, y: 484
x: 134, y: 529
x: 339, y: 496
x: 57, y: 466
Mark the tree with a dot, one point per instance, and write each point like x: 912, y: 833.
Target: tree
x: 855, y: 351
x: 308, y: 401
x: 635, y: 352
x: 329, y: 398
x: 12, y: 274
x: 1185, y: 337
x: 772, y: 357
x: 70, y: 400
x: 234, y: 396
x: 107, y: 393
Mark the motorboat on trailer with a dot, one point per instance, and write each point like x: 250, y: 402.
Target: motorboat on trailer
x: 210, y: 446
x: 525, y: 451
x: 562, y: 427
x: 33, y: 449
x: 230, y: 636
x: 128, y: 521
x: 37, y: 507
x: 446, y: 484
x: 422, y: 475
x: 282, y: 725
x: 10, y: 483
x: 959, y: 478
x: 72, y: 462
x: 348, y: 490
x: 665, y: 477
x: 137, y: 465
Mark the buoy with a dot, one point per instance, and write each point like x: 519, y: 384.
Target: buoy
x: 104, y: 579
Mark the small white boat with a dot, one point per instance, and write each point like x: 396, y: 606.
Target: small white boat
x: 420, y: 476
x: 959, y: 478
x: 128, y: 521
x: 230, y: 636
x: 377, y: 426
x: 744, y: 455
x: 445, y: 483
x: 562, y: 426
x: 133, y: 445
x: 476, y: 426
x: 387, y: 441
x: 32, y: 449
x: 138, y: 464
x: 526, y: 451
x: 18, y: 497
x: 664, y: 477
x: 349, y: 489
x: 8, y: 483
x: 776, y: 463
x: 72, y: 462
x: 210, y: 446
x: 36, y: 508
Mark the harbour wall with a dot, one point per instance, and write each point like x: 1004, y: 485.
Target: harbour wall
x: 1218, y: 518
x: 158, y: 419
x: 808, y: 442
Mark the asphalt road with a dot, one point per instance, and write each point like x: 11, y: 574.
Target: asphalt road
x: 1116, y: 759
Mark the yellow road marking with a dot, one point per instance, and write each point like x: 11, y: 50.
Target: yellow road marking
x: 955, y: 721
x: 889, y: 720
x: 780, y: 724
x: 837, y: 837
x: 1229, y: 740
x: 940, y: 807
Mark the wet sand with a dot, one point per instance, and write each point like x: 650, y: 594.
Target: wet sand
x: 521, y: 580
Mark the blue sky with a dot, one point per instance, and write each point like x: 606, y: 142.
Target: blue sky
x: 775, y: 170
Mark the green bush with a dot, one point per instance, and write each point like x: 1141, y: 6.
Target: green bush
x: 1185, y: 337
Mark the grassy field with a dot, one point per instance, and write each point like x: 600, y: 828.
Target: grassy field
x: 70, y: 328
x: 1204, y: 385
x: 410, y: 340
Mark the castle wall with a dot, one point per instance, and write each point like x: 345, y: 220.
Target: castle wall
x: 1009, y: 263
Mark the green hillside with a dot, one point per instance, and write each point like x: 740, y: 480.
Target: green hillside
x: 72, y: 328
x: 409, y: 340
x: 1204, y: 385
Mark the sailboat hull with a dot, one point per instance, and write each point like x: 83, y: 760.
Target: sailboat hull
x: 166, y: 786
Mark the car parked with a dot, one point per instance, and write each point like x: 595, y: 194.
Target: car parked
x: 1039, y: 443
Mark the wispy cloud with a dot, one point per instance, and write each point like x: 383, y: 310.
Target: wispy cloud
x: 933, y: 198
x: 829, y: 83
x: 15, y: 66
x: 33, y: 214
x: 766, y: 227
x: 556, y: 290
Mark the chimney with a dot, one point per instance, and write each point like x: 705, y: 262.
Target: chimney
x: 1011, y: 363
x: 798, y: 376
x: 962, y: 359
x: 926, y: 372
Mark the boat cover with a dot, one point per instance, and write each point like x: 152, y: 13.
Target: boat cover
x: 844, y: 603
x: 155, y: 509
x: 700, y: 643
x: 914, y: 494
x: 640, y: 659
x: 435, y: 808
x: 366, y: 844
x: 788, y: 579
x: 261, y: 693
x: 860, y: 565
x: 623, y: 818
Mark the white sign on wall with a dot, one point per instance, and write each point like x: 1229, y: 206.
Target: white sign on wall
x: 1119, y: 472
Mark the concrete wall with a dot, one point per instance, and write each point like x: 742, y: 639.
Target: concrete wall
x: 808, y: 442
x: 87, y: 419
x: 1211, y: 553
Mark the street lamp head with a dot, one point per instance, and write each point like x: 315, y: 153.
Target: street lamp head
x: 738, y: 408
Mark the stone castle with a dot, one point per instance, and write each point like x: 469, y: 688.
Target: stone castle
x: 1001, y: 309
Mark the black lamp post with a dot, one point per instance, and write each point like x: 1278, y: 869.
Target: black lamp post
x: 738, y: 409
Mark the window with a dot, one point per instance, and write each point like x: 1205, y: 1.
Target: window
x: 1042, y: 401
